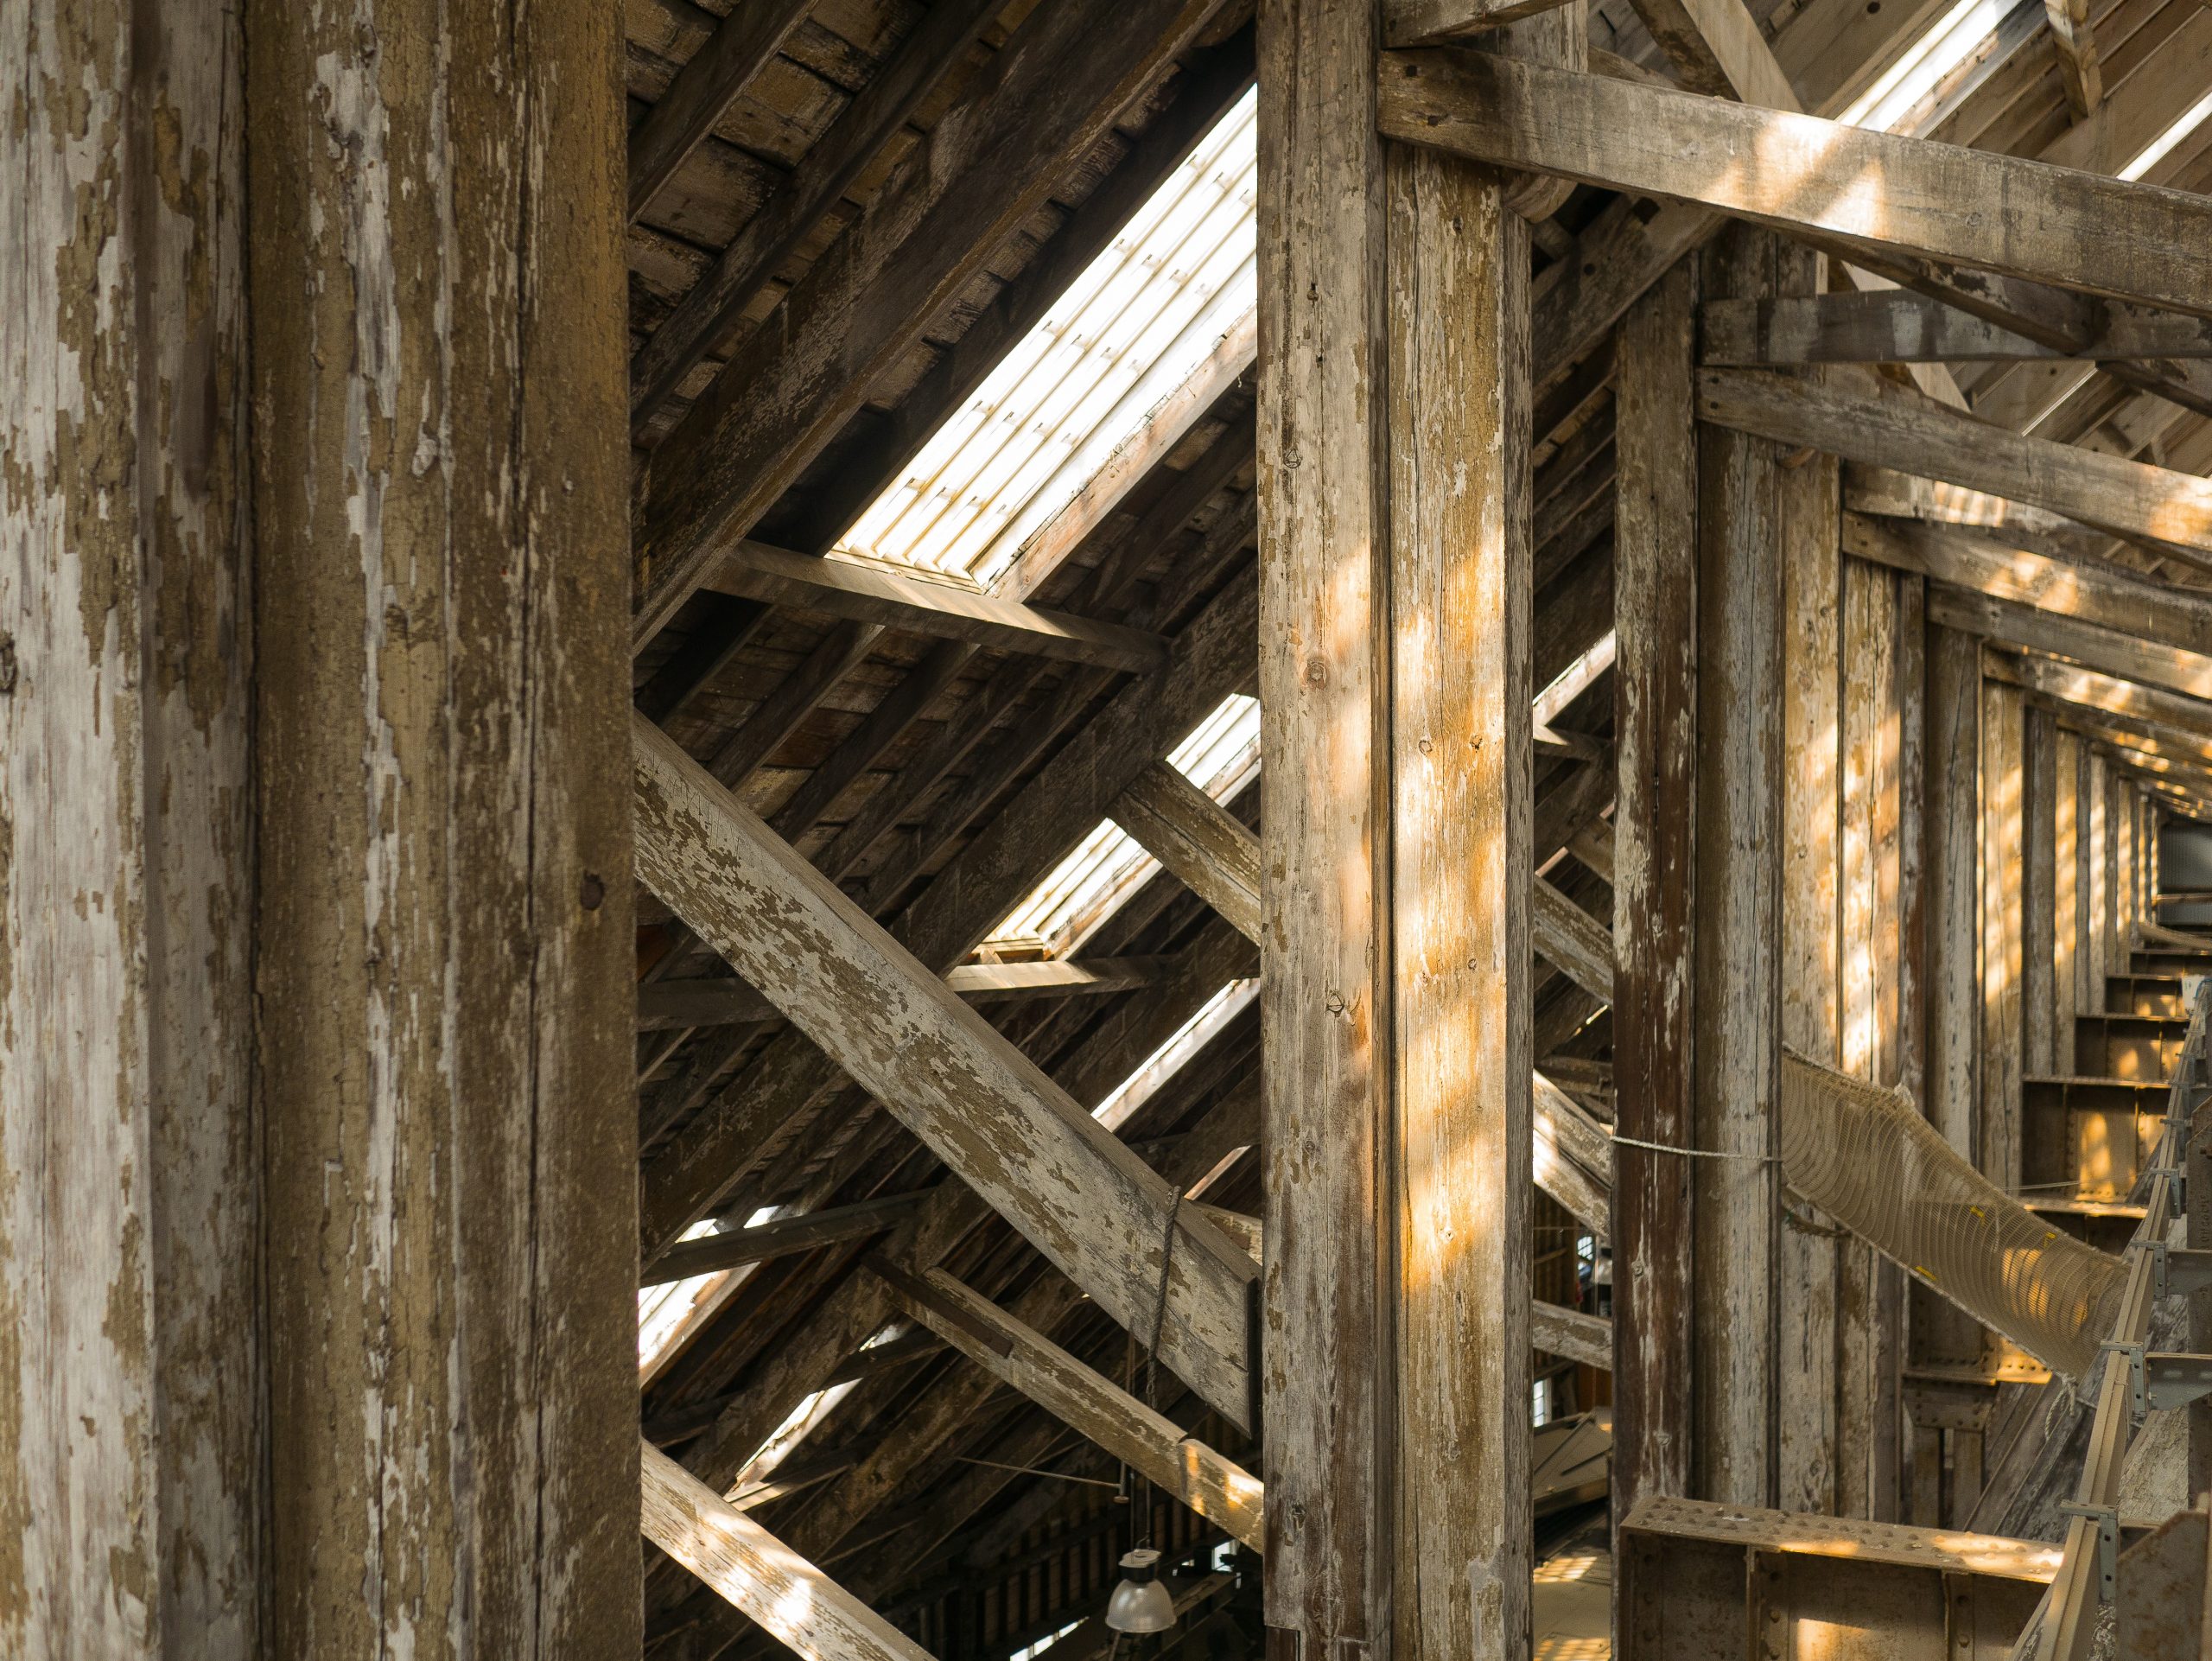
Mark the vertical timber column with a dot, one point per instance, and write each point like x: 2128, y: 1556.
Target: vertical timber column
x: 2002, y: 863
x: 1814, y: 981
x: 1952, y: 1103
x: 2124, y: 852
x: 1869, y: 1297
x: 1395, y: 677
x: 2041, y: 1034
x: 1458, y: 641
x: 1655, y: 912
x: 2066, y: 996
x: 1737, y: 1067
x: 2089, y: 816
x: 444, y: 980
x: 129, y: 1367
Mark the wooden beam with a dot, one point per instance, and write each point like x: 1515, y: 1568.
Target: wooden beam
x: 764, y: 1242
x: 1798, y: 172
x: 1419, y: 23
x: 1954, y: 893
x: 2003, y: 1040
x: 1891, y: 426
x: 1576, y: 943
x: 1902, y: 325
x: 1081, y: 1197
x: 1814, y: 984
x: 729, y: 1002
x: 2109, y: 651
x: 2075, y: 45
x: 1736, y: 1056
x: 1394, y: 425
x: 1557, y: 1331
x: 1716, y: 49
x: 133, y: 1353
x: 880, y: 111
x: 1574, y: 1158
x: 742, y: 45
x: 983, y: 171
x: 872, y: 593
x: 789, y: 1598
x: 1051, y: 815
x: 1199, y: 841
x: 1655, y: 910
x: 1217, y: 1488
x: 2109, y: 693
x: 443, y: 935
x: 2154, y: 613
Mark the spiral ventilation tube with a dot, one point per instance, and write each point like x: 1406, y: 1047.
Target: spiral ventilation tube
x: 1866, y: 1156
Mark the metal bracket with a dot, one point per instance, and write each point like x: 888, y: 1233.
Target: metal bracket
x: 2178, y: 1178
x: 2172, y: 1378
x: 2157, y: 1251
x: 2138, y: 1400
x: 2108, y: 1521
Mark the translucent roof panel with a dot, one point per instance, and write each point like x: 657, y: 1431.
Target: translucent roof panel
x: 1221, y: 756
x: 1130, y: 330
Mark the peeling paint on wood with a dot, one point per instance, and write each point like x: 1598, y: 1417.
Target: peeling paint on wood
x: 130, y: 1453
x: 440, y: 489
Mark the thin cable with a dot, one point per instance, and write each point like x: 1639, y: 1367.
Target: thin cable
x: 1151, y: 1351
x: 1691, y: 1153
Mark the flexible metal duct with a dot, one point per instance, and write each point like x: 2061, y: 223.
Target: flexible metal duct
x: 1866, y: 1156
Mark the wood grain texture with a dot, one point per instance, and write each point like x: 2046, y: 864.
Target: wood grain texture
x: 791, y: 1599
x: 1816, y: 983
x: 2106, y: 596
x: 1737, y: 1063
x: 1204, y: 846
x: 1868, y: 1301
x: 2109, y: 652
x: 445, y: 1004
x: 1573, y: 941
x: 872, y: 121
x: 1716, y: 49
x: 743, y: 44
x: 1459, y: 863
x: 1322, y: 415
x: 1085, y: 1200
x: 132, y: 1435
x: 1655, y: 908
x: 984, y: 170
x: 1218, y: 1489
x: 1900, y: 326
x: 2040, y: 1035
x: 2003, y: 1041
x: 872, y: 592
x: 1890, y: 426
x: 1798, y: 172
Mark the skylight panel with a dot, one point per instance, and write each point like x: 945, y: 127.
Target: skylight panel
x: 2163, y: 145
x: 1129, y: 330
x: 1221, y: 756
x: 668, y: 1315
x: 1949, y: 43
x: 1194, y: 1035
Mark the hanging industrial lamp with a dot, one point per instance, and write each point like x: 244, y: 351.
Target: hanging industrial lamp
x: 1141, y: 1602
